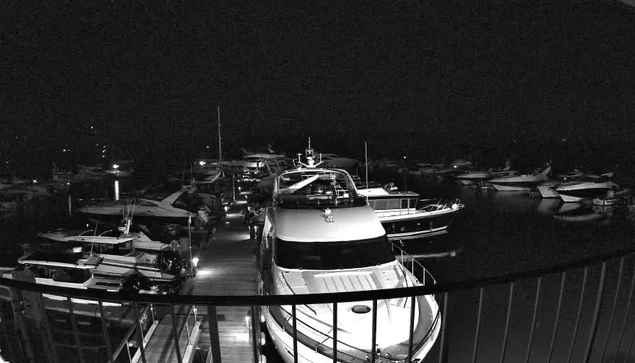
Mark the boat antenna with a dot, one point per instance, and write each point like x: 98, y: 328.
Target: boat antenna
x: 366, y: 161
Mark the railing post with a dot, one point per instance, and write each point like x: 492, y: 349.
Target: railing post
x: 295, y: 333
x: 628, y: 309
x: 177, y: 340
x: 78, y: 342
x: 444, y: 314
x: 478, y: 324
x: 555, y: 323
x: 507, y: 319
x: 617, y: 293
x: 105, y: 331
x: 596, y: 314
x: 374, y: 332
x: 213, y: 333
x: 411, y: 327
x: 577, y: 319
x: 533, y: 320
x: 137, y: 321
x: 255, y: 329
x: 335, y: 332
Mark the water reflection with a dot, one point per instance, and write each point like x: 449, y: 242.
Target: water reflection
x: 548, y: 206
x: 116, y: 189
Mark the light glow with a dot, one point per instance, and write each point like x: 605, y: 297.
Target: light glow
x: 195, y: 261
x: 205, y: 272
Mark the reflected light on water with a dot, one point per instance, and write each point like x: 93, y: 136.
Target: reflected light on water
x: 116, y: 189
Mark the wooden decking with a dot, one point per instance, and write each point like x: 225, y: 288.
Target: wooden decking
x: 227, y: 267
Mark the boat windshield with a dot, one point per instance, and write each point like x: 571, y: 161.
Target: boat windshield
x: 317, y: 189
x: 333, y: 255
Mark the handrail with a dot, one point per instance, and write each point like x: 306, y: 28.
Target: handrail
x: 246, y: 300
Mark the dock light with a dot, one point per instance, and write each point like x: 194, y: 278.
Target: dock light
x: 34, y: 181
x: 115, y: 166
x: 226, y: 208
x: 195, y: 261
x: 202, y: 162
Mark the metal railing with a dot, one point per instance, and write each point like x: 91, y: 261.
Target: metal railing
x: 577, y: 312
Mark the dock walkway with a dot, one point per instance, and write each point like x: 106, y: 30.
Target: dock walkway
x: 226, y: 267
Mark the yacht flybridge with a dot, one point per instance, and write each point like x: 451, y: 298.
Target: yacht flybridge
x: 321, y: 236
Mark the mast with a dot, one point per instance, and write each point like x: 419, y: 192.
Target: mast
x: 366, y: 161
x: 220, y: 153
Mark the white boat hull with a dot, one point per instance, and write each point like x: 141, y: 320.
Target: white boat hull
x: 547, y: 191
x: 283, y: 341
x: 511, y: 188
x: 571, y: 199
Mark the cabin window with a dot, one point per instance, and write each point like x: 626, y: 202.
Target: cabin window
x: 64, y: 275
x: 404, y: 204
x: 394, y: 203
x: 381, y: 204
x: 333, y: 255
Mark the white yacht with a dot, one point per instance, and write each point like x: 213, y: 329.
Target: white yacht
x: 122, y: 252
x: 336, y: 161
x: 548, y: 188
x: 321, y: 236
x: 523, y: 182
x: 405, y: 216
x: 579, y: 190
x: 480, y: 176
x: 175, y: 208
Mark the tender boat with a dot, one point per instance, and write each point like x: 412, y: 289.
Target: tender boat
x: 405, y: 216
x: 321, y: 236
x: 584, y: 188
x: 523, y: 182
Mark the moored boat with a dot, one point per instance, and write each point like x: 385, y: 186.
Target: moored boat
x: 321, y: 236
x: 405, y: 216
x: 523, y: 182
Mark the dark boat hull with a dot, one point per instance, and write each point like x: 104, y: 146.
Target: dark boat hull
x: 417, y: 226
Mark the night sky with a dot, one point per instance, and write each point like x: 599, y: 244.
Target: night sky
x: 435, y: 80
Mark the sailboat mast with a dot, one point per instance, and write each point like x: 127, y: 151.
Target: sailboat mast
x: 220, y: 153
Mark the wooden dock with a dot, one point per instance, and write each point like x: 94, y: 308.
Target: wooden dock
x: 226, y: 267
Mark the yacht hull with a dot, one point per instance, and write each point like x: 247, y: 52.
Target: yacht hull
x: 282, y: 339
x: 512, y: 187
x: 417, y: 225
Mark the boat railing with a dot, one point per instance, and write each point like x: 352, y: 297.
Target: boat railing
x: 442, y: 204
x: 577, y: 311
x: 420, y: 272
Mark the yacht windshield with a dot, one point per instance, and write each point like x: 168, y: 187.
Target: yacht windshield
x: 317, y: 189
x: 333, y: 255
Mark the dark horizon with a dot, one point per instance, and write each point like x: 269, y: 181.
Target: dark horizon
x: 433, y: 80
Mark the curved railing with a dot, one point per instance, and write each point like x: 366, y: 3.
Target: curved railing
x: 579, y: 312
